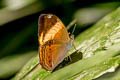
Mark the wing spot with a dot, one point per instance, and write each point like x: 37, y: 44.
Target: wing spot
x: 49, y: 61
x: 49, y: 16
x: 48, y: 56
x: 49, y: 44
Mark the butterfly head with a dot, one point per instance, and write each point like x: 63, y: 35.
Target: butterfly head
x: 70, y: 42
x: 71, y: 38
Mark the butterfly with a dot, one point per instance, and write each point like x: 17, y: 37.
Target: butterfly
x: 54, y: 41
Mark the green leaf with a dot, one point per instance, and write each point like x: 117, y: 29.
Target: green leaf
x: 82, y: 65
x: 11, y: 64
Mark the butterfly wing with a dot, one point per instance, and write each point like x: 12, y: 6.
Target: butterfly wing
x: 52, y: 54
x: 53, y: 39
x: 51, y: 27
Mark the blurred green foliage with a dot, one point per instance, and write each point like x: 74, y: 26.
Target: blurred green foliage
x: 18, y: 26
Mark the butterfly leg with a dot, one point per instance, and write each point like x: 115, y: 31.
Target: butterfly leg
x: 75, y: 48
x: 70, y: 58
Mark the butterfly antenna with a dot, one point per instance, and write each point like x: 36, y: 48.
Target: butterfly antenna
x: 74, y: 28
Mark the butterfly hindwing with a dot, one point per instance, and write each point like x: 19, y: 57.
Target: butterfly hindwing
x: 52, y: 54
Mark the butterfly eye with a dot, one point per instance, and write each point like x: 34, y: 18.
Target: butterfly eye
x: 72, y: 37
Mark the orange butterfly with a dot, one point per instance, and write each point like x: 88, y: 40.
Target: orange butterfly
x: 54, y: 41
